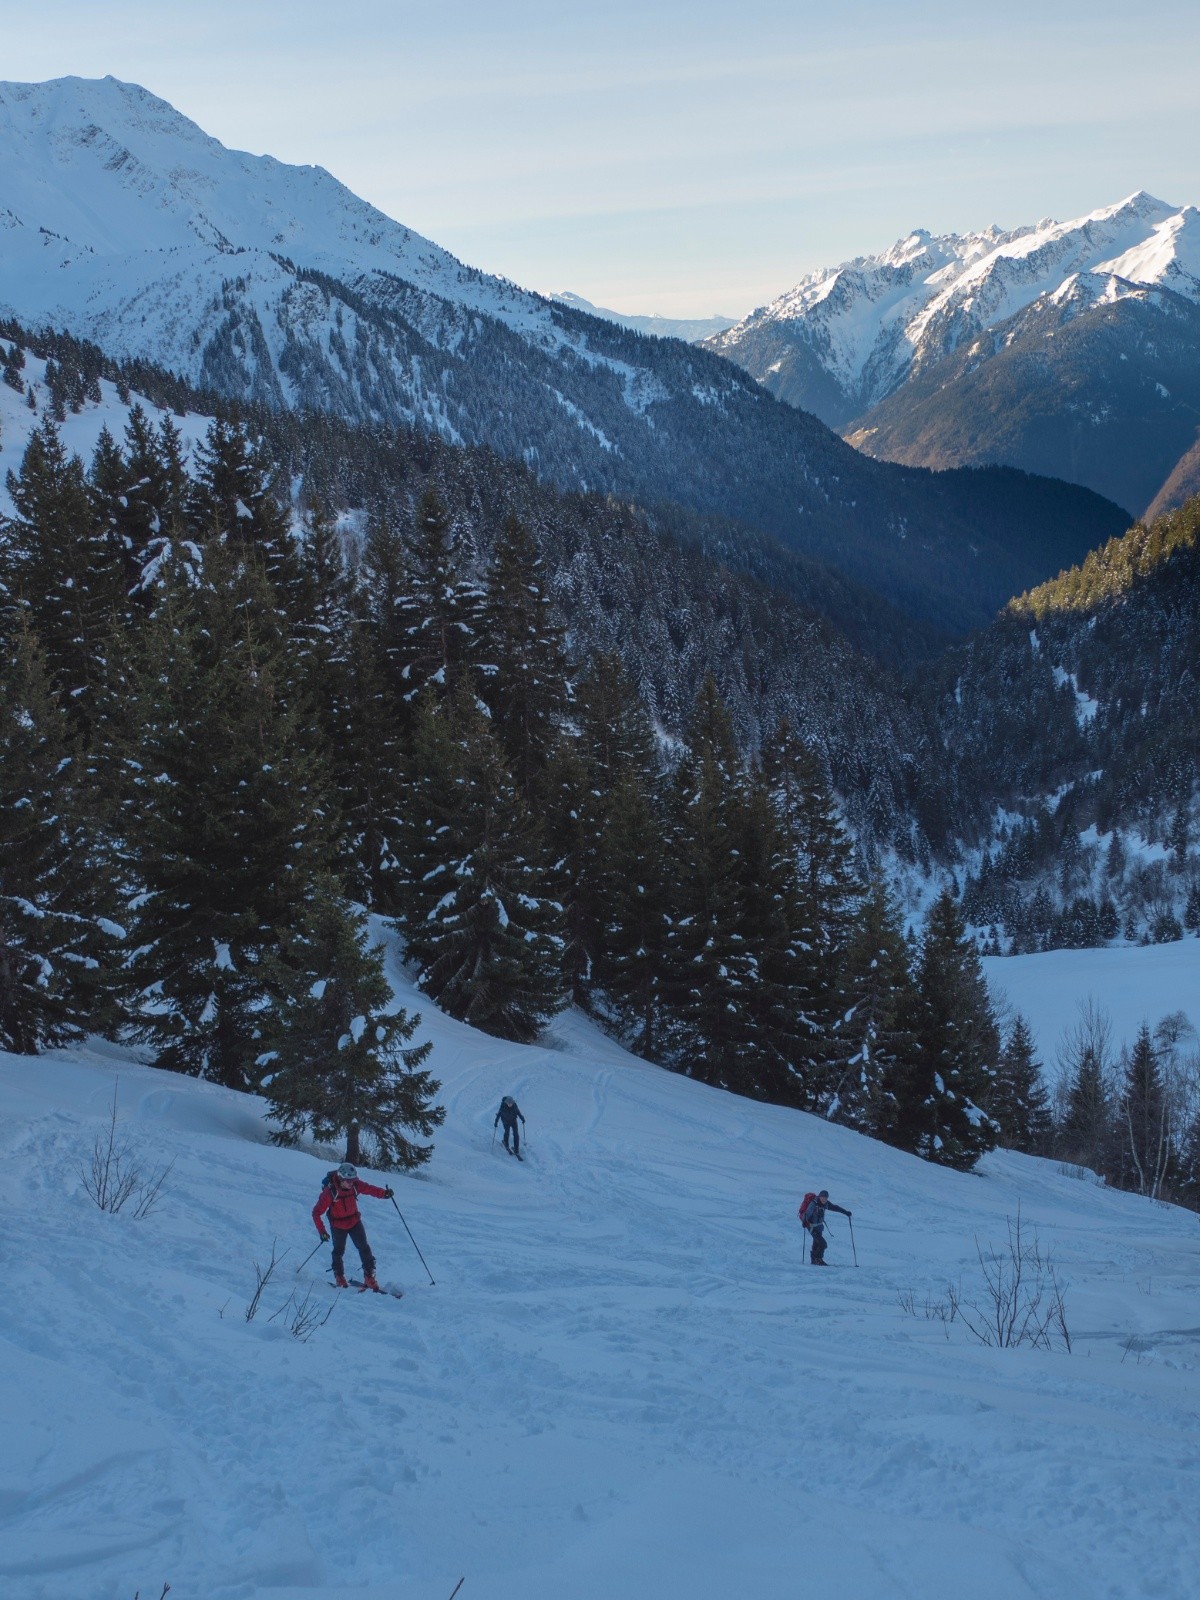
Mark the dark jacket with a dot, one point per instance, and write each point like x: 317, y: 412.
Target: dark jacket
x: 508, y: 1113
x: 813, y: 1215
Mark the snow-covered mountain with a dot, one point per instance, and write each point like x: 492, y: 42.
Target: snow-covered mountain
x: 1035, y: 347
x: 693, y: 329
x: 626, y: 1381
x: 125, y: 224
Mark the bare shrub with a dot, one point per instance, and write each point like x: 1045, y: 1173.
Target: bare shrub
x: 303, y: 1317
x: 113, y: 1177
x: 1022, y: 1300
x: 263, y: 1276
x: 944, y: 1310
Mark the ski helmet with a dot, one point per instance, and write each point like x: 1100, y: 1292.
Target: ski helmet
x: 348, y: 1171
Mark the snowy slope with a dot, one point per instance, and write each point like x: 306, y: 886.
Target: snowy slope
x: 1131, y: 985
x: 625, y: 1382
x: 80, y: 430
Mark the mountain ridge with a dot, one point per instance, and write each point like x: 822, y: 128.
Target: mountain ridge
x: 277, y: 285
x: 913, y: 352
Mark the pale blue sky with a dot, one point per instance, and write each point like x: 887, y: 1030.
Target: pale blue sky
x: 684, y: 158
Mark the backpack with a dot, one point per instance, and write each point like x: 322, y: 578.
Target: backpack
x: 804, y: 1205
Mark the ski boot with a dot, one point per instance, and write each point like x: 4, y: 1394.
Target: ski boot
x: 369, y: 1282
x: 340, y: 1281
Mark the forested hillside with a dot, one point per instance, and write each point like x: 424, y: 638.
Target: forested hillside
x: 1076, y: 714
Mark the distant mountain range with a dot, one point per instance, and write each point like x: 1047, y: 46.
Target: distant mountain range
x: 124, y: 223
x: 690, y: 329
x: 1064, y: 348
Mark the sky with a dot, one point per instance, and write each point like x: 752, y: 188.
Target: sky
x: 684, y: 157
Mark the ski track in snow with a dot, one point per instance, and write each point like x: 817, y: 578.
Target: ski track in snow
x: 626, y: 1381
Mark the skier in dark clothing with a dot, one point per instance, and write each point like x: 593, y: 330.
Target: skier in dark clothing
x: 339, y: 1196
x: 508, y: 1113
x: 812, y: 1215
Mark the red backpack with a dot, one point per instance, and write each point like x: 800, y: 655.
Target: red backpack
x: 804, y: 1205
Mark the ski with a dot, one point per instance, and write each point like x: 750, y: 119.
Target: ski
x: 364, y: 1288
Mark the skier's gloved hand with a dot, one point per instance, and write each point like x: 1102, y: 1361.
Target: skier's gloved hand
x: 388, y: 1193
x: 324, y: 1237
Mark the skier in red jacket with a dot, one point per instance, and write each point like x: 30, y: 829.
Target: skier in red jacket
x: 339, y: 1196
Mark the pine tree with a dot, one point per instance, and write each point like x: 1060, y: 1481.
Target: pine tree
x: 56, y: 941
x: 335, y: 1049
x: 231, y: 817
x: 958, y: 1045
x: 1020, y: 1105
x: 478, y: 922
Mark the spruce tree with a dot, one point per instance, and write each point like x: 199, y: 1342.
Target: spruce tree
x: 57, y: 563
x: 335, y: 1054
x: 612, y: 748
x: 634, y: 939
x: 525, y: 677
x: 232, y: 498
x: 957, y: 1048
x: 440, y: 615
x: 709, y: 967
x: 1084, y: 1135
x: 140, y: 495
x: 785, y: 1053
x: 1019, y: 1104
x: 231, y: 817
x: 877, y: 1035
x: 827, y: 890
x: 479, y: 925
x: 57, y: 941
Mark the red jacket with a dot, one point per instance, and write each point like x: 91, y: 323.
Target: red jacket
x: 343, y: 1207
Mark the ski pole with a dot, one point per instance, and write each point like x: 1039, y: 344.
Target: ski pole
x: 311, y: 1254
x: 415, y: 1245
x: 492, y: 1146
x: 853, y: 1246
x: 459, y: 1585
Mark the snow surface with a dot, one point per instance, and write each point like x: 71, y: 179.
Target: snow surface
x: 1131, y: 984
x: 626, y: 1381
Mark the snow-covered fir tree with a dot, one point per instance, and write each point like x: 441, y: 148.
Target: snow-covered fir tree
x: 939, y: 1113
x: 477, y: 915
x: 58, y: 947
x: 336, y: 1059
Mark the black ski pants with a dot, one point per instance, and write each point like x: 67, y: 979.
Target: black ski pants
x: 818, y: 1242
x: 511, y: 1127
x: 359, y: 1234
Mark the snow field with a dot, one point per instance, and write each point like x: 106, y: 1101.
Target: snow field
x: 626, y: 1381
x: 1131, y: 984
